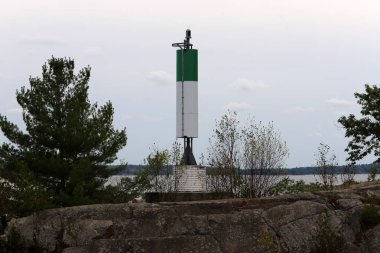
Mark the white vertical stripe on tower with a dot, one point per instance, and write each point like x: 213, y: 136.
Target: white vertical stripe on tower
x: 190, y: 110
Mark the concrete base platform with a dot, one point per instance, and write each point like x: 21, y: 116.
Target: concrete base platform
x: 190, y: 178
x: 153, y: 197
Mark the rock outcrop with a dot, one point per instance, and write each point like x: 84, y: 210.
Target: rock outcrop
x: 288, y: 223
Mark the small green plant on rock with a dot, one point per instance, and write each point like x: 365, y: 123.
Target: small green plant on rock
x: 369, y: 216
x: 326, y: 239
x: 266, y: 243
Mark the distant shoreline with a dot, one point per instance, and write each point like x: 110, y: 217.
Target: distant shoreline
x: 359, y: 169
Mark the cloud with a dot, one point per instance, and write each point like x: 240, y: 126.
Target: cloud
x: 238, y: 106
x: 161, y: 78
x: 93, y: 51
x: 15, y: 110
x: 244, y: 84
x: 340, y: 102
x: 2, y: 76
x: 128, y: 116
x: 150, y: 119
x: 40, y: 40
x: 341, y: 112
x: 303, y: 109
x: 315, y: 134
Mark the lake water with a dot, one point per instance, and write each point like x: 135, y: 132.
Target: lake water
x: 306, y: 178
x: 313, y: 179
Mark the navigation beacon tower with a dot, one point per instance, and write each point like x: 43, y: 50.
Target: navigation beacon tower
x: 187, y: 96
x: 189, y: 177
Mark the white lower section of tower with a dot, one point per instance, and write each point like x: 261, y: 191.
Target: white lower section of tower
x: 190, y: 178
x: 187, y: 109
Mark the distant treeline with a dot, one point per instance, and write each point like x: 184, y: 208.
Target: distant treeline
x: 359, y: 169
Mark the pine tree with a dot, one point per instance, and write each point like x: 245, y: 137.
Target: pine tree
x: 68, y: 141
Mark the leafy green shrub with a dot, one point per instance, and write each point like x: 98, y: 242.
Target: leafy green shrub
x: 372, y: 173
x: 23, y: 196
x: 13, y: 244
x: 26, y: 196
x: 128, y: 188
x: 369, y: 216
x: 287, y: 185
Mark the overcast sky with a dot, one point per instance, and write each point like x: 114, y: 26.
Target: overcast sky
x: 296, y: 63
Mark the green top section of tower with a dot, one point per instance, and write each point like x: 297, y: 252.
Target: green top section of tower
x: 187, y: 59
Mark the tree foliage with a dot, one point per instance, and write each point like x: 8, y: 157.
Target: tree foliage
x: 326, y: 163
x: 364, y: 132
x: 68, y: 141
x: 223, y: 155
x: 372, y: 173
x: 263, y: 156
x: 247, y: 161
x: 164, y: 167
x: 347, y: 175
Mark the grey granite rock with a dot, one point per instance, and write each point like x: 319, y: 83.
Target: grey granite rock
x: 287, y: 223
